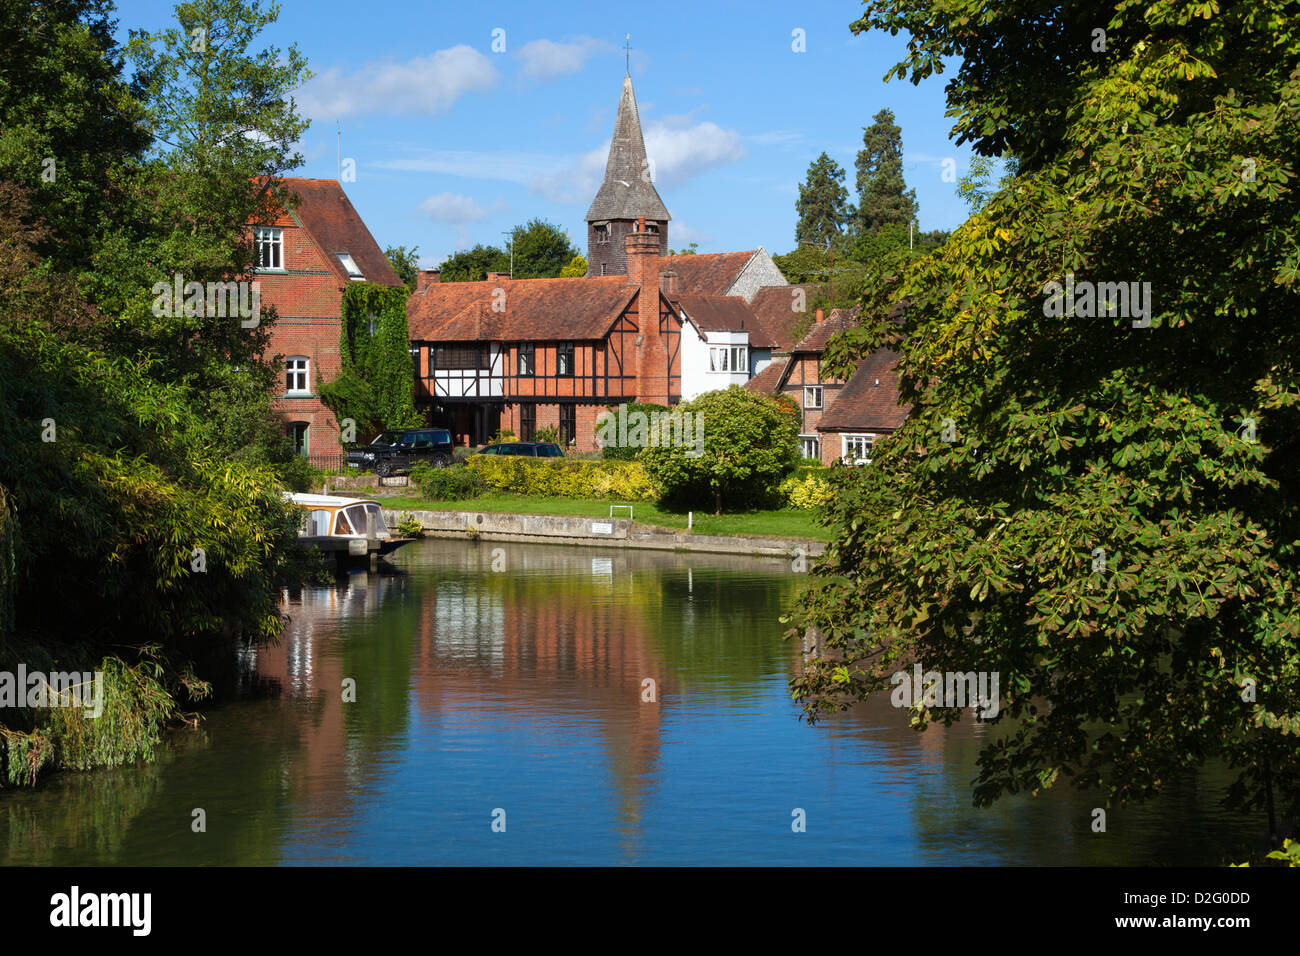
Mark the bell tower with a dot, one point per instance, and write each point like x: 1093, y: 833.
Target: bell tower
x: 627, y: 195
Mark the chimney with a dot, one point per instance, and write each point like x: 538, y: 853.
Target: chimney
x: 498, y: 277
x: 668, y: 282
x: 425, y: 278
x: 820, y: 315
x: 652, y: 355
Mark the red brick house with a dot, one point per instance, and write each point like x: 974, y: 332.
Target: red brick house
x: 526, y: 354
x: 305, y: 259
x: 839, y: 418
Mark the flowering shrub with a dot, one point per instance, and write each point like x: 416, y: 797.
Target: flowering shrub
x: 807, y: 490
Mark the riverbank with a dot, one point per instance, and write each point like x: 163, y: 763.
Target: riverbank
x: 595, y: 531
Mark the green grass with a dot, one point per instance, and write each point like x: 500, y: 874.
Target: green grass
x: 784, y: 523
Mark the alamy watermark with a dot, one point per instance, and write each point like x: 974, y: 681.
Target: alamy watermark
x: 26, y: 688
x: 624, y: 429
x: 1126, y: 300
x: 950, y: 689
x: 210, y: 299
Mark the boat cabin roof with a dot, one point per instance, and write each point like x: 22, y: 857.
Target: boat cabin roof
x: 328, y: 501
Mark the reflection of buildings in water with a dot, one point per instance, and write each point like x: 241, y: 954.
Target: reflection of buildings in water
x: 470, y: 623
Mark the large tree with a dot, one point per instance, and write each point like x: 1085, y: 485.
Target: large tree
x: 823, y: 203
x: 1101, y: 505
x: 541, y: 250
x: 473, y: 265
x: 883, y: 196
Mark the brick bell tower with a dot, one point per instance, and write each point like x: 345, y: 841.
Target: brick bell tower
x: 626, y: 196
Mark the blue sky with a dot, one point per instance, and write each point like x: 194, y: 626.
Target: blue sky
x: 454, y: 143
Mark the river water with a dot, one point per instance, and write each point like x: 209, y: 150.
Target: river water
x: 497, y: 715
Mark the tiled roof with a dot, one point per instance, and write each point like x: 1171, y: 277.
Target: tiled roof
x: 839, y: 320
x: 325, y: 212
x: 776, y: 308
x: 534, y: 309
x: 719, y: 313
x: 864, y: 405
x: 707, y: 273
x: 767, y: 381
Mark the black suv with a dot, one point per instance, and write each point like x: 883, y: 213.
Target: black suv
x: 427, y: 446
x: 364, y: 457
x: 532, y: 449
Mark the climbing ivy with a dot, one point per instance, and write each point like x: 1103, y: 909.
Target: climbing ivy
x: 374, y: 387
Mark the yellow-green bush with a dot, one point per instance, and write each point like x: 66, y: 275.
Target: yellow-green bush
x: 809, y: 490
x: 565, y: 477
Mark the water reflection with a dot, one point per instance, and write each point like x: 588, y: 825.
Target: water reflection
x: 618, y: 706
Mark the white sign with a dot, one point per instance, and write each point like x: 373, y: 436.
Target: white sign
x: 602, y: 527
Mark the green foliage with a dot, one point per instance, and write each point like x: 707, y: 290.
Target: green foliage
x: 883, y: 197
x: 406, y: 263
x: 541, y: 250
x: 374, y: 384
x: 626, y: 452
x: 823, y: 203
x: 565, y: 477
x: 549, y: 433
x: 473, y: 265
x: 1105, y: 530
x: 576, y: 269
x: 453, y: 483
x: 502, y: 435
x: 750, y: 442
x: 1290, y: 853
x: 807, y: 490
x: 408, y: 526
x: 690, y: 250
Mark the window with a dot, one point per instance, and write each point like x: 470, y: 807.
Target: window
x: 316, y: 524
x: 568, y: 423
x: 297, y: 432
x: 564, y: 360
x: 604, y: 268
x: 729, y: 358
x: 415, y: 360
x: 857, y: 448
x: 295, y: 375
x: 602, y: 235
x: 460, y: 356
x: 269, y: 245
x: 810, y: 446
x: 350, y: 265
x: 651, y: 227
x: 527, y: 355
x: 528, y: 422
x: 812, y: 396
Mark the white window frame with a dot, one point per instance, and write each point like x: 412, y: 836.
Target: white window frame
x: 817, y: 447
x: 849, y: 444
x: 818, y: 391
x: 294, y: 373
x: 272, y: 238
x: 728, y: 358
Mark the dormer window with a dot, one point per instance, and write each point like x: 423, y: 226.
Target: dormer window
x: 350, y: 265
x: 651, y: 227
x: 602, y: 233
x: 269, y: 246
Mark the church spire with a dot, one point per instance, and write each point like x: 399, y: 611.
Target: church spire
x: 626, y: 195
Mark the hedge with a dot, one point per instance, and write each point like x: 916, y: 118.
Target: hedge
x: 565, y: 477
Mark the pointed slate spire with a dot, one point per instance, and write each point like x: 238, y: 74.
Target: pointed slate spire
x: 627, y: 192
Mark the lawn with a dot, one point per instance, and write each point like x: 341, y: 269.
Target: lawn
x: 783, y: 523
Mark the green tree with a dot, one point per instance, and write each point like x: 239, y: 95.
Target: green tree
x: 690, y: 250
x: 406, y: 263
x: 541, y: 250
x: 473, y: 265
x: 749, y: 443
x: 883, y: 196
x: 576, y: 269
x: 1098, y: 504
x: 823, y: 203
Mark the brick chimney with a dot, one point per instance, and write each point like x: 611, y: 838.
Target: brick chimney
x: 652, y: 355
x: 425, y: 278
x: 498, y: 277
x: 820, y: 315
x: 668, y: 282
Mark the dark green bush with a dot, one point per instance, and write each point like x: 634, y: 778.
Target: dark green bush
x: 454, y: 483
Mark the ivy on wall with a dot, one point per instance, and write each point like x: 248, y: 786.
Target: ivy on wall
x: 375, y: 387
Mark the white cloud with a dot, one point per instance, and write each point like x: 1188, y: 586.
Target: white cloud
x: 514, y: 167
x: 546, y: 59
x: 424, y: 85
x: 680, y: 235
x: 777, y: 137
x: 453, y: 207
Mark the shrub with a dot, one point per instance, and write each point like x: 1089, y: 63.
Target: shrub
x: 548, y: 433
x: 565, y: 477
x: 409, y: 527
x: 613, y: 452
x: 502, y: 434
x: 453, y: 483
x: 805, y: 489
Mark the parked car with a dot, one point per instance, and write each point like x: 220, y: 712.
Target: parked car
x: 364, y: 457
x: 419, y: 446
x: 532, y: 449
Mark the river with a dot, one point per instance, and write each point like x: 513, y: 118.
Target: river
x: 499, y: 712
